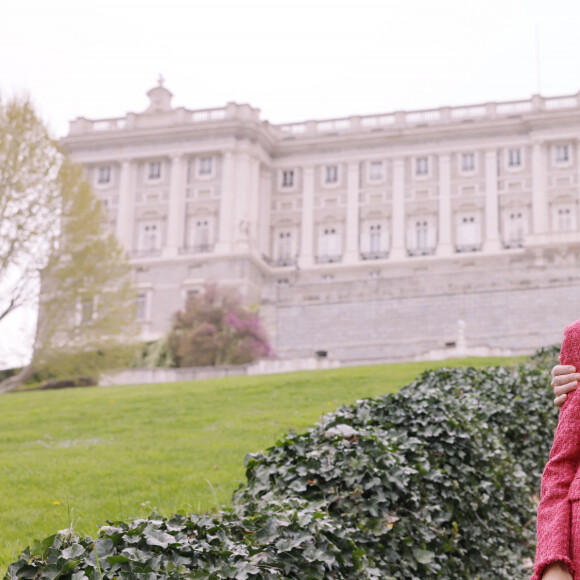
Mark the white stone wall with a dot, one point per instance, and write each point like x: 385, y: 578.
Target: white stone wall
x: 368, y: 237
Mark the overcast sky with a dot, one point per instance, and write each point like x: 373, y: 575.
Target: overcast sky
x: 293, y: 59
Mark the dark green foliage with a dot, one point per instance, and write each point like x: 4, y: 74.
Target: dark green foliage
x: 437, y: 481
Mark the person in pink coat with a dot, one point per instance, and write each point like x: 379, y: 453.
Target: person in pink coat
x: 558, y: 526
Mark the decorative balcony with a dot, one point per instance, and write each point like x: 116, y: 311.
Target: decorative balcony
x: 282, y: 262
x: 513, y: 244
x: 327, y: 259
x: 466, y: 248
x: 421, y: 251
x: 197, y: 249
x: 374, y: 255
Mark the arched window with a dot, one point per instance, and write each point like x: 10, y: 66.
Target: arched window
x: 375, y: 238
x: 468, y: 232
x: 421, y: 235
x: 150, y: 237
x: 515, y: 225
x: 329, y: 246
x: 284, y: 245
x: 564, y: 219
x: 201, y: 235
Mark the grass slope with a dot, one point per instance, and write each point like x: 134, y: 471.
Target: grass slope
x: 91, y: 454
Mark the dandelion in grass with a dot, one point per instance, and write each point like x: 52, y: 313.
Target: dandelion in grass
x: 56, y: 502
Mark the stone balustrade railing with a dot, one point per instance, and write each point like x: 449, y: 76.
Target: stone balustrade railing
x: 179, y: 116
x: 234, y: 111
x: 442, y: 115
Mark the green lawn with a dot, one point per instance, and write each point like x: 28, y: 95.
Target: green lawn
x: 90, y: 454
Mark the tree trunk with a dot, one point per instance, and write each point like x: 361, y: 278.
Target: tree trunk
x: 18, y: 379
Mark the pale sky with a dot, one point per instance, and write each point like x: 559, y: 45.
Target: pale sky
x: 293, y: 59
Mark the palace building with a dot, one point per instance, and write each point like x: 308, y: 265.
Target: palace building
x: 366, y: 238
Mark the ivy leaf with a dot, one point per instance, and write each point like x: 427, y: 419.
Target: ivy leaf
x: 159, y: 538
x: 423, y: 556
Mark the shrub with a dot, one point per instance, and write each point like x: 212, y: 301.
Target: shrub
x: 215, y: 329
x: 437, y: 481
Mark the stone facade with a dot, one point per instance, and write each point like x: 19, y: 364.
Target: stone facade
x: 381, y: 237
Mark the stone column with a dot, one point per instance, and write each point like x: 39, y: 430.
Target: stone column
x: 176, y: 217
x: 539, y: 190
x: 352, y: 213
x: 254, y: 211
x: 445, y: 242
x: 265, y: 202
x: 227, y: 205
x: 491, y: 240
x: 126, y: 211
x: 398, y: 209
x: 242, y: 188
x: 306, y: 257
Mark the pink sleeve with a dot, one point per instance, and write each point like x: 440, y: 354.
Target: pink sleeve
x: 553, y: 527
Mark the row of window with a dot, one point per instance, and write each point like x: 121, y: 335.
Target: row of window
x: 154, y: 171
x: 422, y: 166
x: 199, y: 236
x: 374, y: 239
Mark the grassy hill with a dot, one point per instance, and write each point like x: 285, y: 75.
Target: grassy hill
x: 82, y: 456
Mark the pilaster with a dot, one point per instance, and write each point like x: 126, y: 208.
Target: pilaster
x: 539, y: 193
x: 491, y: 242
x: 227, y: 205
x: 398, y: 211
x: 176, y: 217
x: 307, y: 227
x: 265, y: 211
x: 126, y: 211
x: 444, y: 245
x: 242, y: 188
x: 352, y: 213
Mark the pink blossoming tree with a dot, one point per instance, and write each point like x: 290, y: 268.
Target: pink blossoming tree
x: 216, y: 329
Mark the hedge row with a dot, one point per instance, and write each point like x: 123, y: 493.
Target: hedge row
x: 437, y: 481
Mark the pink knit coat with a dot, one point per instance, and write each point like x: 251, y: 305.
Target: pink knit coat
x: 558, y: 527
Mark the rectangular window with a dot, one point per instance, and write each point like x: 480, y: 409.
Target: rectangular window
x: 562, y: 154
x: 375, y: 238
x: 150, y: 237
x: 514, y: 158
x: 422, y: 166
x: 104, y: 175
x: 205, y: 166
x: 421, y: 235
x: 564, y: 219
x: 201, y: 236
x: 467, y: 162
x: 288, y: 178
x: 331, y: 174
x: 376, y: 171
x: 141, y: 303
x: 154, y: 171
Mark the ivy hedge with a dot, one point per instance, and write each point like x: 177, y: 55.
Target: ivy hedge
x: 437, y: 481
